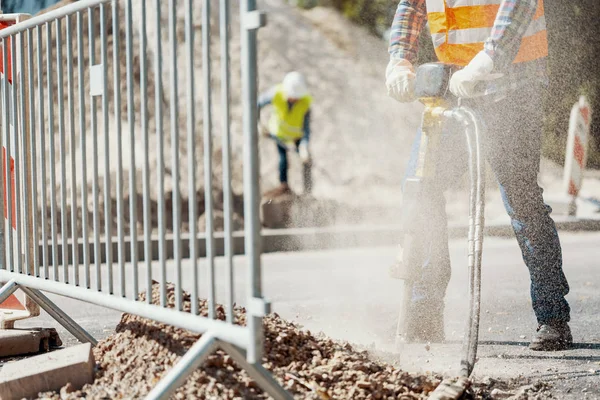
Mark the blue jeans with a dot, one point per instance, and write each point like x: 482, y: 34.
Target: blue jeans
x: 283, y: 161
x: 512, y: 146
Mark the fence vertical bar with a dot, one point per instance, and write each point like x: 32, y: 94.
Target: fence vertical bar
x: 175, y: 155
x: 17, y: 159
x: 49, y: 69
x: 191, y: 148
x: 17, y: 135
x: 26, y: 153
x: 83, y: 151
x: 226, y: 126
x: 107, y: 196
x: 207, y: 122
x: 117, y: 108
x: 44, y: 204
x: 23, y: 184
x: 62, y: 152
x: 4, y: 119
x: 146, y: 169
x: 9, y: 116
x: 251, y: 177
x: 132, y: 168
x: 161, y: 161
x: 6, y: 242
x: 33, y: 164
x: 94, y: 125
x: 72, y: 143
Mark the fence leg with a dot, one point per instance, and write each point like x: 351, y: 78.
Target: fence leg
x: 8, y: 289
x: 60, y: 316
x: 182, y: 370
x: 263, y: 378
x: 5, y: 292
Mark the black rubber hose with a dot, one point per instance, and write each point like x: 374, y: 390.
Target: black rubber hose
x: 473, y: 131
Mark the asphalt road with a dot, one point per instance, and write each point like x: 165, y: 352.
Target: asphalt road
x: 347, y: 294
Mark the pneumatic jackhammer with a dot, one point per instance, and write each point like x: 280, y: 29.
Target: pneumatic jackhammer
x: 440, y: 107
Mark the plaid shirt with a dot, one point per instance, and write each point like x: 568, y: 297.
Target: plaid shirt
x: 512, y: 20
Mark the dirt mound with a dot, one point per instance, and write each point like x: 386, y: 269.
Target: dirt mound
x: 132, y: 361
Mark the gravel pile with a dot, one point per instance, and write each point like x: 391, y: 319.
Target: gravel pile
x: 133, y: 360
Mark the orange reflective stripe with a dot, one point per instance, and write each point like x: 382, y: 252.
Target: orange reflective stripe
x: 453, y: 24
x: 458, y: 54
x: 533, y: 47
x: 539, y: 12
x: 437, y: 22
x: 463, y: 18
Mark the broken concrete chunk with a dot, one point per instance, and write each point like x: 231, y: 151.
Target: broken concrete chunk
x: 47, y: 372
x: 14, y: 342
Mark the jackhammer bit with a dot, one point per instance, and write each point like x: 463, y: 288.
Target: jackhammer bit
x: 432, y: 90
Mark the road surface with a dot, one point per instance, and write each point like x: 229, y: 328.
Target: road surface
x: 347, y: 294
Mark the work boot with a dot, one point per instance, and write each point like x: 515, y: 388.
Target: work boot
x: 425, y: 324
x: 552, y: 337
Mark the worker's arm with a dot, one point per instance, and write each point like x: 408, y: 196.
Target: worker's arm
x: 409, y: 20
x: 266, y: 97
x: 512, y: 21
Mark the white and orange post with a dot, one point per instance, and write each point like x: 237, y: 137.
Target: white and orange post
x: 18, y: 306
x: 577, y: 149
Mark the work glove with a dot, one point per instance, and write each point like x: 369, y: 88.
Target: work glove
x: 304, y: 152
x: 464, y: 83
x: 400, y: 80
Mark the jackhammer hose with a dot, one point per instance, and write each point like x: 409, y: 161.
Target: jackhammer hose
x: 473, y: 129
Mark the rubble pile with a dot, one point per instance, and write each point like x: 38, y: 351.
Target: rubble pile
x: 140, y: 352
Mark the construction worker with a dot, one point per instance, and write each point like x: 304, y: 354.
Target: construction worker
x: 289, y: 126
x: 504, y: 45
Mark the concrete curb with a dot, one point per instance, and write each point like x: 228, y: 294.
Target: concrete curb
x: 297, y: 239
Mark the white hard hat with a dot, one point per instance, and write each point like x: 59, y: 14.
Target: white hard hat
x: 294, y: 85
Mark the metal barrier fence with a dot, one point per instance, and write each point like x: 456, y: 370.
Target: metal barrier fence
x: 69, y: 137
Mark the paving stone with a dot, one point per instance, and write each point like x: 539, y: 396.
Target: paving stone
x: 51, y: 371
x: 14, y: 342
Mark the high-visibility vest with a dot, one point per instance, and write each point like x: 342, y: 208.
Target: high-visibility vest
x: 460, y: 27
x: 287, y: 123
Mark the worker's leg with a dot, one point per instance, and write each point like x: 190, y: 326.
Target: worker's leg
x: 283, y: 164
x: 514, y: 142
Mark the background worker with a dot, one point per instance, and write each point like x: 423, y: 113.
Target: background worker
x: 289, y: 126
x: 488, y: 39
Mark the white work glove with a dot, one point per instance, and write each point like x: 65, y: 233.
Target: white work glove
x: 400, y: 80
x: 304, y: 152
x: 464, y: 83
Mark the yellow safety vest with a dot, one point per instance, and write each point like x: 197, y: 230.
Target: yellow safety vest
x: 287, y: 123
x: 460, y: 27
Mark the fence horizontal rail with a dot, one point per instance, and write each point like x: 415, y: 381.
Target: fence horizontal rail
x: 50, y: 16
x: 235, y: 334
